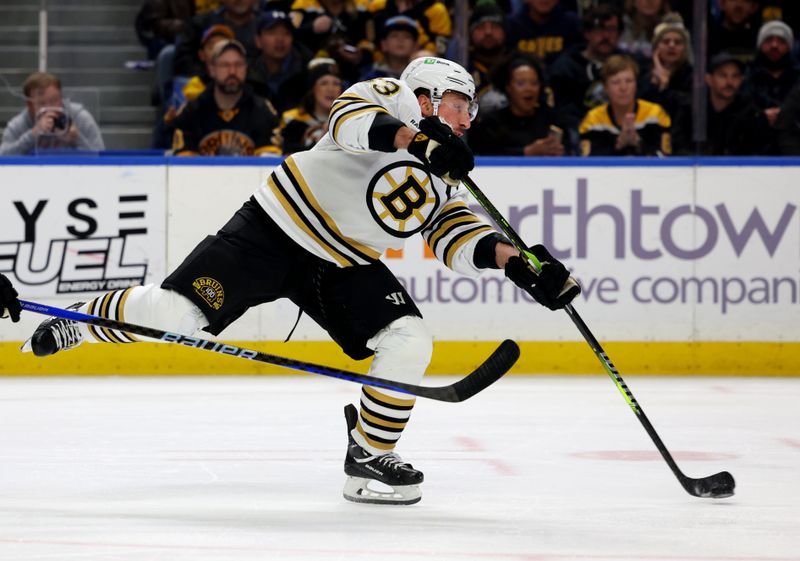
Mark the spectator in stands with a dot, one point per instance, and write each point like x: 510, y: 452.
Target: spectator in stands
x: 575, y: 75
x: 398, y: 42
x: 773, y: 72
x: 528, y: 125
x: 47, y: 123
x: 487, y: 44
x: 640, y: 20
x: 669, y: 81
x: 625, y: 126
x: 160, y: 22
x: 735, y: 126
x: 736, y: 30
x: 279, y: 72
x: 227, y: 119
x: 188, y: 89
x: 787, y: 125
x: 304, y: 125
x: 335, y: 29
x: 545, y: 30
x: 432, y: 17
x: 239, y: 15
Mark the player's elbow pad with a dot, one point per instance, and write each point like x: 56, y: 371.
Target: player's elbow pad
x: 383, y: 131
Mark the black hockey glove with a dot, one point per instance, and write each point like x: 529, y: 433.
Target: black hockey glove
x: 445, y: 155
x: 552, y: 287
x: 8, y: 299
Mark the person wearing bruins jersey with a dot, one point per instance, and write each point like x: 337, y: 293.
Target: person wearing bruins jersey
x: 625, y: 125
x: 227, y: 119
x: 388, y: 168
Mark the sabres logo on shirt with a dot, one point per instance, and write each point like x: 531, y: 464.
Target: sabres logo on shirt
x: 402, y: 199
x: 210, y: 290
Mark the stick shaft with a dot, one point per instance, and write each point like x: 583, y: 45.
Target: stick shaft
x: 609, y: 367
x: 492, y: 369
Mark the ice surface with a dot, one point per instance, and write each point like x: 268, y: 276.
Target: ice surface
x: 533, y: 469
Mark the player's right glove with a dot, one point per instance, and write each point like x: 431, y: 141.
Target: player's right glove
x: 8, y: 299
x: 552, y: 287
x: 445, y: 154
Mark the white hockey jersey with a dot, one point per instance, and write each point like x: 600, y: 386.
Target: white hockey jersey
x: 347, y: 203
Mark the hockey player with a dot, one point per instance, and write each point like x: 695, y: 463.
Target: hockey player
x: 314, y: 233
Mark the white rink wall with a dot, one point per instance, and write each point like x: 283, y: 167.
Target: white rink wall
x: 666, y: 251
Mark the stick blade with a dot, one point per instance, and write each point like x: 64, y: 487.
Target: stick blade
x: 491, y: 370
x: 717, y: 486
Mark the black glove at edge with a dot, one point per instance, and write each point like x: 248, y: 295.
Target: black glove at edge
x: 9, y: 300
x: 444, y: 153
x: 552, y: 287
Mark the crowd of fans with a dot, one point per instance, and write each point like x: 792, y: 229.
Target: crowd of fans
x: 554, y: 77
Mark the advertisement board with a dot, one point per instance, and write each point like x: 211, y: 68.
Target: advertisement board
x: 666, y: 255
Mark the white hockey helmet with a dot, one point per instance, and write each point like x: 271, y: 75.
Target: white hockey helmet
x: 439, y: 75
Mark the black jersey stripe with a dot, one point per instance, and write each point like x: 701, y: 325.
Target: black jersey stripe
x: 346, y: 115
x: 304, y: 192
x: 442, y: 217
x: 445, y: 214
x: 341, y: 103
x: 459, y: 240
x: 448, y: 226
x: 291, y: 208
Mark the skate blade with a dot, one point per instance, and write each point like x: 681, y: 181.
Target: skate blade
x: 357, y: 490
x: 27, y: 346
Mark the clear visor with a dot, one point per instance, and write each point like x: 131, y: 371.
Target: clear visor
x: 461, y: 105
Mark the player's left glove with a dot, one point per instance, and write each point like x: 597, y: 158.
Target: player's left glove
x: 8, y: 299
x: 445, y: 154
x: 552, y: 287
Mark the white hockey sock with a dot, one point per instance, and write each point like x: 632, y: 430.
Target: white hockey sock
x: 402, y: 353
x: 148, y: 305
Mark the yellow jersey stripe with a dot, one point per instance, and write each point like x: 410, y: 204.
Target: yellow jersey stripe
x: 355, y: 113
x: 300, y: 223
x: 457, y: 242
x: 447, y: 227
x: 294, y: 173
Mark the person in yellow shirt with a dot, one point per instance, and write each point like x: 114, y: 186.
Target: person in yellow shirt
x: 626, y: 125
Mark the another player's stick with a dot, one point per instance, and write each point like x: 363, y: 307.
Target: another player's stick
x: 491, y: 370
x: 716, y: 486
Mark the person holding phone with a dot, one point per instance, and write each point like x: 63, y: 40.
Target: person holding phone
x: 528, y: 126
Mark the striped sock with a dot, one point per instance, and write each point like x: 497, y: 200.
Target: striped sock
x: 112, y: 306
x: 381, y: 420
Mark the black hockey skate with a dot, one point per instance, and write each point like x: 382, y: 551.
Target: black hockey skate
x: 363, y: 469
x: 55, y: 334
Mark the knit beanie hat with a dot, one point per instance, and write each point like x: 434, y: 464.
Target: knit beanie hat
x: 775, y: 28
x: 672, y: 22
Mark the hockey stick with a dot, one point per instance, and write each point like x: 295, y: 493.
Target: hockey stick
x: 491, y: 370
x: 716, y: 486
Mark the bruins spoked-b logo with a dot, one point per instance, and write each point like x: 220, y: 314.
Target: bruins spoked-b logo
x: 402, y: 198
x: 210, y: 290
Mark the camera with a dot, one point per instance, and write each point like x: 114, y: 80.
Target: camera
x: 60, y: 122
